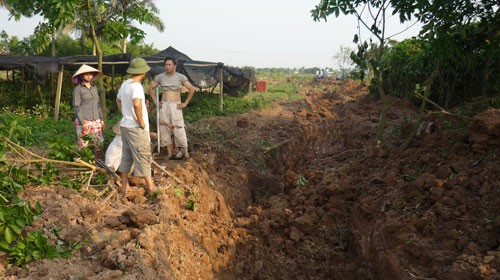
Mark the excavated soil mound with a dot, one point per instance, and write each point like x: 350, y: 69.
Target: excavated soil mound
x: 297, y: 191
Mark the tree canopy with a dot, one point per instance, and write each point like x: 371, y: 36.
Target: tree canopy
x: 460, y: 42
x: 112, y: 20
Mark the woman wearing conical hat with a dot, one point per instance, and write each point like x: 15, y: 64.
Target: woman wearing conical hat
x: 89, y: 120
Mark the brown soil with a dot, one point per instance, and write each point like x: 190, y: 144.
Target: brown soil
x: 298, y: 191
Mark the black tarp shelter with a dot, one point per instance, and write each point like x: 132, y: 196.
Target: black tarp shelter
x: 201, y: 74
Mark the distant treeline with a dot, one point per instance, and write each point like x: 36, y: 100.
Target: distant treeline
x: 281, y: 70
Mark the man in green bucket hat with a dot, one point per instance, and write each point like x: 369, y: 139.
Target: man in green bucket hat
x: 134, y: 127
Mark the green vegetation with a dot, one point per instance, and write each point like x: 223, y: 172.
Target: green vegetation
x: 191, y: 205
x: 23, y: 248
x: 34, y: 127
x: 454, y: 59
x: 207, y: 105
x: 27, y: 128
x: 301, y: 181
x: 465, y: 67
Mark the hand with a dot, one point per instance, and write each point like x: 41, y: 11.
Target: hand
x: 84, y: 125
x: 102, y: 124
x: 141, y: 124
x: 180, y: 106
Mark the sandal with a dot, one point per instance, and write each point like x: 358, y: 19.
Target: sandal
x: 178, y: 156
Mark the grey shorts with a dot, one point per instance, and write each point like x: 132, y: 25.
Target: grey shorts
x: 136, y: 150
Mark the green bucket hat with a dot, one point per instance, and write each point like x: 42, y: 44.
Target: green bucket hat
x: 138, y: 66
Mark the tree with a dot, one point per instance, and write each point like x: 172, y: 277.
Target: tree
x: 372, y: 14
x: 439, y: 19
x: 114, y: 21
x: 343, y: 59
x: 89, y: 16
x: 124, y: 13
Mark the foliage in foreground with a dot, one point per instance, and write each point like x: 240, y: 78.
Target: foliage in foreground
x: 15, y: 214
x: 33, y: 129
x: 23, y: 247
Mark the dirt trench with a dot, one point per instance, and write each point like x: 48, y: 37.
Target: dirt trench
x: 299, y: 216
x: 327, y: 203
x: 297, y: 191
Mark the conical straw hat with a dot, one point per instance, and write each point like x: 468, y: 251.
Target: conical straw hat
x: 87, y: 69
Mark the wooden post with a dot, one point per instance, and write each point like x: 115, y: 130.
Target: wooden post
x: 221, y: 95
x: 158, y: 134
x: 58, y: 93
x: 112, y: 78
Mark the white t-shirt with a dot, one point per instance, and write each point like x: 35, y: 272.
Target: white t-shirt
x: 129, y: 91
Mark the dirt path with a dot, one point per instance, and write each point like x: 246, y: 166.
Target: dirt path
x: 297, y: 191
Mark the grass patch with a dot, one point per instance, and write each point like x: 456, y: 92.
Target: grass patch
x: 28, y: 129
x: 278, y: 95
x: 205, y: 105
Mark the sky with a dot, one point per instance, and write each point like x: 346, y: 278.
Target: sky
x: 258, y: 33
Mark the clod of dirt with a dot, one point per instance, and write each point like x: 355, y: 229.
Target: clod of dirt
x: 139, y: 218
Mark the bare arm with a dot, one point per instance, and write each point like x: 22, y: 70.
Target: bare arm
x: 138, y: 112
x: 151, y: 91
x: 191, y: 92
x: 119, y: 103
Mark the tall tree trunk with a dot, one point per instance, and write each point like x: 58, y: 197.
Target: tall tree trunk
x: 53, y: 53
x: 379, y: 85
x: 102, y: 92
x: 124, y: 45
x: 82, y: 42
x: 53, y: 41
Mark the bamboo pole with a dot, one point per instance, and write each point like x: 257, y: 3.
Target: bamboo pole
x: 16, y: 148
x: 158, y: 134
x: 58, y: 93
x: 112, y: 78
x: 108, y: 197
x: 167, y: 172
x: 221, y: 95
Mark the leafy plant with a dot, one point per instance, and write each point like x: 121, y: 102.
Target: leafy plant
x: 13, y: 128
x: 13, y: 218
x: 191, y: 205
x: 23, y: 128
x: 68, y: 183
x: 35, y: 247
x: 32, y: 246
x: 100, y: 179
x: 301, y: 181
x: 12, y: 182
x: 155, y: 194
x: 179, y: 192
x: 49, y: 174
x: 62, y: 149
